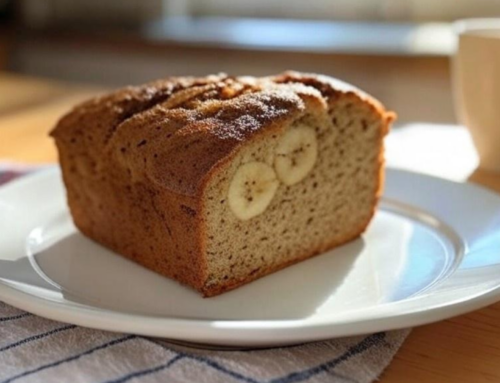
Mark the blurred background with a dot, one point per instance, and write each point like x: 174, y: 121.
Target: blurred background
x: 397, y: 50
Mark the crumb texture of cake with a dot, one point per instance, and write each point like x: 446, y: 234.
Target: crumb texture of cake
x: 220, y: 180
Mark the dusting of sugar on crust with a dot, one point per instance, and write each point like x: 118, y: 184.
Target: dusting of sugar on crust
x: 217, y: 113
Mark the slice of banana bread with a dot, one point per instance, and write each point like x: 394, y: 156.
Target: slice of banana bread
x: 218, y: 181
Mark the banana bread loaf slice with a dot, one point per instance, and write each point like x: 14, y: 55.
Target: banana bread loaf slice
x: 220, y: 180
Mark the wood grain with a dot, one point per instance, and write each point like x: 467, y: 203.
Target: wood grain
x: 29, y: 109
x: 462, y: 349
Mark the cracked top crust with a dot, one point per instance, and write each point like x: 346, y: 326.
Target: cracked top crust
x: 175, y: 131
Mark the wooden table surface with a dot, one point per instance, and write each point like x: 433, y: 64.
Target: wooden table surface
x: 462, y: 349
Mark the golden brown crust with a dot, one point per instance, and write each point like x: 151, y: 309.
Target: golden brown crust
x: 210, y: 115
x: 331, y: 88
x: 135, y: 162
x: 184, y: 160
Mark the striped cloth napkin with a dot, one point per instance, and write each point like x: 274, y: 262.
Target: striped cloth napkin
x: 34, y: 349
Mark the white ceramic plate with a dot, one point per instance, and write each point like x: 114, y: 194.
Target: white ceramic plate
x: 431, y: 252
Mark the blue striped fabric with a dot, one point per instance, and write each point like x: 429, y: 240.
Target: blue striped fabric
x: 34, y: 349
x: 14, y: 317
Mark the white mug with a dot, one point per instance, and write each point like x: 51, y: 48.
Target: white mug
x: 476, y: 80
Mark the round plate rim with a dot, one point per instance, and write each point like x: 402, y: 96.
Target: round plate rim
x: 231, y: 332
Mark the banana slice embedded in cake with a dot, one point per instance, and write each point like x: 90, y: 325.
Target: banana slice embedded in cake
x: 296, y: 154
x: 252, y: 189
